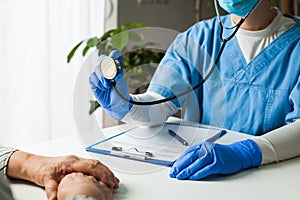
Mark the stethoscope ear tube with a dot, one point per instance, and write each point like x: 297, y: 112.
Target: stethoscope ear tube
x: 149, y: 103
x: 111, y: 73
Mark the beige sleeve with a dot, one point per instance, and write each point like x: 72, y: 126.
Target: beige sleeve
x: 280, y: 144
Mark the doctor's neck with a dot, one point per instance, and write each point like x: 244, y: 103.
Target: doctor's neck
x: 259, y: 19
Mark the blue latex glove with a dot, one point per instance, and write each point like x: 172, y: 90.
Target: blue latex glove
x: 104, y: 91
x: 207, y: 158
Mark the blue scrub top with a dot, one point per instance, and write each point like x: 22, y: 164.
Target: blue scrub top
x: 252, y: 98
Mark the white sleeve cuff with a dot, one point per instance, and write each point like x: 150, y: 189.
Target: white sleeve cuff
x: 268, y: 152
x: 280, y: 144
x: 149, y: 115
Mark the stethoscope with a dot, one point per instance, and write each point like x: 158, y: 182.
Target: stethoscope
x: 109, y: 67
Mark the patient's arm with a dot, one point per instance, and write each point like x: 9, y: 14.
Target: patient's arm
x: 49, y: 171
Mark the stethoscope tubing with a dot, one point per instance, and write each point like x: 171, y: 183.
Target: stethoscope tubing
x: 212, y: 68
x: 149, y: 103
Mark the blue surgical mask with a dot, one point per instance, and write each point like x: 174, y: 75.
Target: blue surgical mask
x: 239, y: 7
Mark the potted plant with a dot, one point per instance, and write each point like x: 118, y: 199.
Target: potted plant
x: 140, y: 54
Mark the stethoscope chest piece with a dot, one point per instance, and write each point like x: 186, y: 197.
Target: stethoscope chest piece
x: 109, y: 67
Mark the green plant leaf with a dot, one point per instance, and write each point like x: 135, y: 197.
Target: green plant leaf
x: 85, y: 50
x: 108, y: 47
x: 92, y: 42
x: 107, y: 34
x: 120, y: 38
x: 135, y: 25
x: 93, y: 106
x: 120, y: 29
x: 134, y: 36
x: 72, y: 52
x: 126, y: 64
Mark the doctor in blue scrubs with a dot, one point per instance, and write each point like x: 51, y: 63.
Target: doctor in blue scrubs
x: 255, y: 89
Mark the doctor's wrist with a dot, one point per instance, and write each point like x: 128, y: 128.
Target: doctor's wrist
x: 248, y: 153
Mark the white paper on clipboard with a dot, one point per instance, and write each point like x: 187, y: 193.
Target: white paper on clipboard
x: 163, y: 149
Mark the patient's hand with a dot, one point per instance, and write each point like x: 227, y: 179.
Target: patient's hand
x: 76, y: 184
x: 49, y: 171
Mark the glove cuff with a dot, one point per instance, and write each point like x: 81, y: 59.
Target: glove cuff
x: 248, y: 152
x: 120, y: 109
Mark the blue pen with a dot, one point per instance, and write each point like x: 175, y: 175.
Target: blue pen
x: 216, y: 136
x: 177, y: 137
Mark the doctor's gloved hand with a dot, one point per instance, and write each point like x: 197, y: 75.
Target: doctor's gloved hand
x: 208, y: 158
x: 105, y: 93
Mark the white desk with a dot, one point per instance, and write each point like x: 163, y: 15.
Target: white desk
x: 276, y: 181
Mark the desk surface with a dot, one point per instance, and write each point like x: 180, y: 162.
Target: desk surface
x: 275, y: 181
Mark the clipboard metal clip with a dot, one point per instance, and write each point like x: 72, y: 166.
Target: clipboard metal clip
x: 119, y: 151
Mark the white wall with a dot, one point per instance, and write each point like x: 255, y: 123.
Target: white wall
x: 36, y: 83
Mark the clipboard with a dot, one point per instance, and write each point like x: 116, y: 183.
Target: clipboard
x: 154, y: 144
